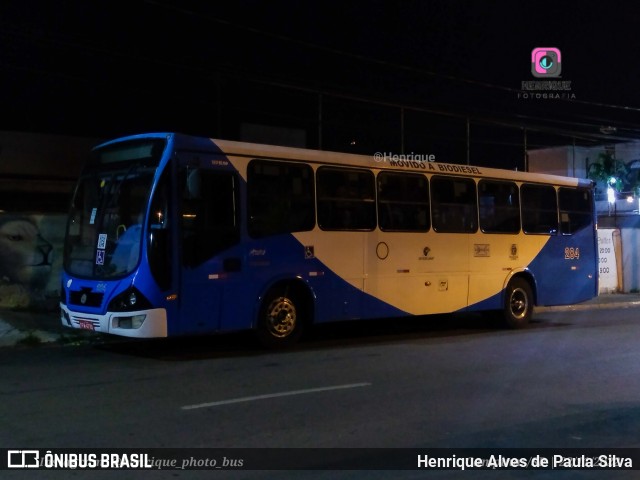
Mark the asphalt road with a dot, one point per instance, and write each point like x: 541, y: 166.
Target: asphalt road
x: 570, y: 380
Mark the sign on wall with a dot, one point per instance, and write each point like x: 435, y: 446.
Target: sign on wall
x: 607, y: 266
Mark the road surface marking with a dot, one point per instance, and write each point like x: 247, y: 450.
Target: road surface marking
x: 274, y: 395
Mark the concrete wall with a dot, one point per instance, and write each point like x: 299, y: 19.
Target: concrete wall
x: 42, y: 155
x: 37, y: 174
x: 566, y: 161
x: 630, y: 259
x: 627, y: 152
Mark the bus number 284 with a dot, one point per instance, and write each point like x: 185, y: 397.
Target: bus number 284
x: 571, y: 253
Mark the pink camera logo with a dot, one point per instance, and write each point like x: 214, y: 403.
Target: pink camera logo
x: 546, y: 62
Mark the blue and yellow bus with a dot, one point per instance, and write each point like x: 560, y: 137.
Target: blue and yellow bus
x: 176, y: 235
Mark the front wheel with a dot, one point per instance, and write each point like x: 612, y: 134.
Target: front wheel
x: 279, y: 322
x: 518, y: 304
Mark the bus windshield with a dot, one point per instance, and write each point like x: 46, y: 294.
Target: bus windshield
x: 104, y: 231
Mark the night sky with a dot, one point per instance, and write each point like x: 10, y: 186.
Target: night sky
x: 110, y: 68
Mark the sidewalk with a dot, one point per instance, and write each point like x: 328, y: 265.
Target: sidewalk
x: 31, y: 328
x: 606, y: 300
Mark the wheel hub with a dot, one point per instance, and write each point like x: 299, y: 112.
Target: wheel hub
x: 281, y: 317
x: 519, y: 303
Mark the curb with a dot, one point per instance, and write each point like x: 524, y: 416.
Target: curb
x: 588, y: 306
x: 10, y: 336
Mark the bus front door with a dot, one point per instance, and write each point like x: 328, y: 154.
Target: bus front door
x: 210, y: 234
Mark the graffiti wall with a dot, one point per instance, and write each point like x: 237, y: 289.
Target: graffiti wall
x: 30, y: 260
x: 37, y: 175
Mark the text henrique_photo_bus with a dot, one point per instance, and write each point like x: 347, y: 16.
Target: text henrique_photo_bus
x: 172, y: 235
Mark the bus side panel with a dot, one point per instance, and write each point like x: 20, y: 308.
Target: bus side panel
x: 493, y: 258
x: 214, y: 295
x: 328, y: 310
x: 343, y: 254
x: 420, y: 273
x: 566, y: 269
x: 334, y: 270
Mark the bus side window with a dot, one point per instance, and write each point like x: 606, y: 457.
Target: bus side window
x: 499, y: 206
x: 454, y: 204
x: 280, y: 198
x: 539, y: 209
x: 346, y: 199
x: 403, y: 202
x: 575, y: 209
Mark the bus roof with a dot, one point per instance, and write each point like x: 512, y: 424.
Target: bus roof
x: 400, y: 162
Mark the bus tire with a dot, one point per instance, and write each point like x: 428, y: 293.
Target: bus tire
x: 518, y: 303
x: 279, y: 322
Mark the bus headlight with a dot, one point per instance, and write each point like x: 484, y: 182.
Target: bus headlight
x: 132, y: 322
x: 129, y: 300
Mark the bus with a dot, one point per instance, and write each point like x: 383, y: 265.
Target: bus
x: 170, y: 234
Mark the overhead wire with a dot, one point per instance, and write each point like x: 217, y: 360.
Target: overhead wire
x: 575, y: 125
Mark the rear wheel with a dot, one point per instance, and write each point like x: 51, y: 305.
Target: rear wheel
x: 279, y: 321
x: 518, y: 303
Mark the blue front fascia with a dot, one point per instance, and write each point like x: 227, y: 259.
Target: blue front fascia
x: 107, y: 290
x: 100, y: 292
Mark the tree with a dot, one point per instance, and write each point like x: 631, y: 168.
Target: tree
x: 609, y: 171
